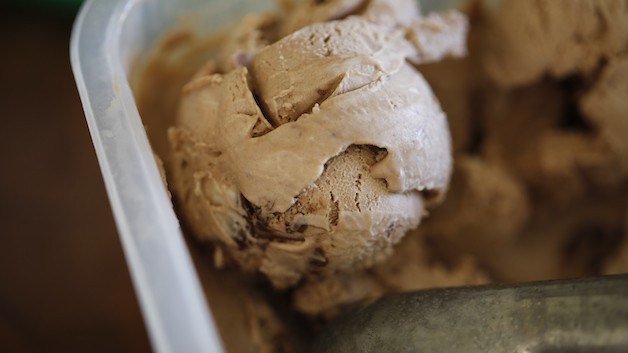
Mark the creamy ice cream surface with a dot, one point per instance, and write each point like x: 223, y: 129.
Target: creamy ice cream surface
x: 529, y: 39
x: 315, y: 153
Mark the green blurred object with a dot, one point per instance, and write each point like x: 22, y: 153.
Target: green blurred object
x: 57, y: 5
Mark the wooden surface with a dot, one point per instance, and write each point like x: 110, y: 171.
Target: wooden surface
x: 64, y: 285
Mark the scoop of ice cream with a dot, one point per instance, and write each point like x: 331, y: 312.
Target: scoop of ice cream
x: 562, y: 144
x: 547, y: 143
x: 528, y: 39
x: 318, y: 157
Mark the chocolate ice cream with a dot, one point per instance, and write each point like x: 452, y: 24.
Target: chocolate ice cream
x: 317, y: 153
x: 311, y: 144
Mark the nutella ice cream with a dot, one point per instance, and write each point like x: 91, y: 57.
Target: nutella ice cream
x: 317, y: 138
x: 315, y: 153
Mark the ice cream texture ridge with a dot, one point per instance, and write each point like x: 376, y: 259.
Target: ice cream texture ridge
x: 341, y: 150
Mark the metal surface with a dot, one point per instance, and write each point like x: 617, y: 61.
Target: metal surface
x: 573, y: 316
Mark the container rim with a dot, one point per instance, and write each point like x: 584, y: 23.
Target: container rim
x: 168, y: 288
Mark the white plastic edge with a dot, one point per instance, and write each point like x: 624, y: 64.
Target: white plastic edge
x: 170, y: 295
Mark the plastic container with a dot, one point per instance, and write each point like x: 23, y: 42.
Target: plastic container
x: 108, y: 36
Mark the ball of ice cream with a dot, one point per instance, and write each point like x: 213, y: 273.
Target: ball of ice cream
x: 316, y: 153
x: 526, y: 40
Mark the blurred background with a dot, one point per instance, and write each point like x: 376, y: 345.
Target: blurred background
x: 64, y: 284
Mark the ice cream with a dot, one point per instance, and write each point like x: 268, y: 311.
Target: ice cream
x: 544, y: 79
x: 414, y: 266
x: 315, y: 154
x: 281, y: 158
x: 539, y: 184
x: 528, y: 39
